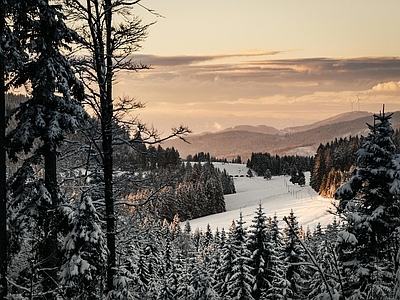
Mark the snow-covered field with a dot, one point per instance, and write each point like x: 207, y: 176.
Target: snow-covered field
x: 278, y: 196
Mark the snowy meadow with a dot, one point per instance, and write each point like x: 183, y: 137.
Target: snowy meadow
x: 277, y: 196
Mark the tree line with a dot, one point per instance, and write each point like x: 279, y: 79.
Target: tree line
x: 207, y: 157
x: 263, y: 163
x: 189, y: 190
x: 335, y: 161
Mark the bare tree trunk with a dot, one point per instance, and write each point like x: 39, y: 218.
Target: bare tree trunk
x: 107, y: 114
x: 3, y: 215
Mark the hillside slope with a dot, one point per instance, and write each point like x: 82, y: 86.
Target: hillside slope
x: 277, y: 196
x: 231, y: 143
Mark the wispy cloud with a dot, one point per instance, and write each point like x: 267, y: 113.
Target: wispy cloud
x: 365, y: 71
x: 252, y: 87
x: 180, y: 60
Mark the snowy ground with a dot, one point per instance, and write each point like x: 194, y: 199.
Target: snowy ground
x: 277, y: 195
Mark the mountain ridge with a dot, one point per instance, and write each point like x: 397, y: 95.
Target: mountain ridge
x: 242, y: 140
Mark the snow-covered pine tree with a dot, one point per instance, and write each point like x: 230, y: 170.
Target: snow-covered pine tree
x: 395, y: 189
x: 141, y: 278
x: 186, y: 254
x: 322, y: 246
x: 218, y: 241
x: 206, y: 246
x: 260, y: 247
x: 27, y: 196
x: 82, y: 274
x: 52, y: 109
x: 169, y: 272
x: 276, y: 272
x: 294, y: 257
x: 241, y: 282
x: 224, y: 271
x: 201, y: 281
x: 369, y: 206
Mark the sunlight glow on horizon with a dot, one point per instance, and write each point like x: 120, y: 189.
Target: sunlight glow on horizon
x: 218, y: 64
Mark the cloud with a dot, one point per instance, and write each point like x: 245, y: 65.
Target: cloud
x: 329, y: 74
x: 217, y: 126
x: 387, y: 87
x: 180, y: 60
x: 201, y: 89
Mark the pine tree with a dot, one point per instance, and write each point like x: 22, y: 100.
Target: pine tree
x: 322, y: 247
x: 260, y: 247
x: 26, y: 209
x: 224, y: 271
x: 216, y: 260
x: 301, y: 179
x: 141, y: 278
x: 85, y: 253
x: 52, y: 109
x: 241, y: 281
x: 170, y: 272
x: 318, y: 168
x: 369, y: 207
x: 276, y: 272
x: 294, y: 257
x: 201, y: 283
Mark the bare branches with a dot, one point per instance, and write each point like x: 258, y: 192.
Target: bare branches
x: 152, y: 196
x: 120, y: 3
x: 152, y: 11
x: 123, y: 106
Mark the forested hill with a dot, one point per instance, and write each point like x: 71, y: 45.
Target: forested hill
x: 244, y: 140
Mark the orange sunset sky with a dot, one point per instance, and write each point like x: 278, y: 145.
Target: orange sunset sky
x: 220, y: 63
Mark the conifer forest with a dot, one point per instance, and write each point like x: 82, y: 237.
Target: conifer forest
x: 93, y: 207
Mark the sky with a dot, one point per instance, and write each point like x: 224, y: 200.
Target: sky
x: 219, y: 63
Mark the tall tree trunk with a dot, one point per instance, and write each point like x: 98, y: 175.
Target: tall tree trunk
x: 50, y: 253
x: 50, y: 249
x: 3, y: 232
x: 107, y: 114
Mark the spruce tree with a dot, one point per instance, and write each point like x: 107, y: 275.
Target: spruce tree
x: 276, y: 272
x: 224, y: 271
x: 201, y: 281
x: 170, y: 271
x: 322, y: 246
x: 52, y: 109
x: 294, y: 257
x: 260, y: 247
x: 241, y: 281
x: 369, y: 206
x: 85, y: 253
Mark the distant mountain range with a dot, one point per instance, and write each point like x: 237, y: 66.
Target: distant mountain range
x: 302, y: 140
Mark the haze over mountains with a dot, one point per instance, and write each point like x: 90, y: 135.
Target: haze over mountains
x: 302, y: 140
